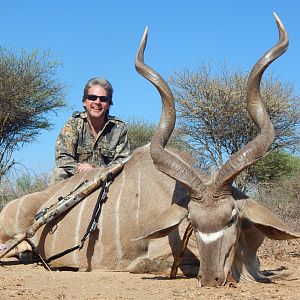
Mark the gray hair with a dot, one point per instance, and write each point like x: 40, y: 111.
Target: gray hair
x: 103, y: 83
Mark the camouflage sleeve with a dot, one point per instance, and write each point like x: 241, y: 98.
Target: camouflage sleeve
x: 123, y: 147
x: 65, y: 150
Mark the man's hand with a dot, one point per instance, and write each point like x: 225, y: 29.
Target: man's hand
x: 83, y: 167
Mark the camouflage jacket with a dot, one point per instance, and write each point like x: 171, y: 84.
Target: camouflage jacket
x: 76, y: 144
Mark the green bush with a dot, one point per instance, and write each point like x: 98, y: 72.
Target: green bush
x: 276, y: 166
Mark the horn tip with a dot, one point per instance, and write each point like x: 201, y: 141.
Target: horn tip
x: 278, y: 21
x: 275, y: 15
x: 282, y: 32
x: 145, y: 32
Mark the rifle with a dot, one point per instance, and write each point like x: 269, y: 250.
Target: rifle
x: 64, y: 204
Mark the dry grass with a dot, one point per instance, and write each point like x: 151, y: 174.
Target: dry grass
x: 26, y: 183
x: 283, y: 198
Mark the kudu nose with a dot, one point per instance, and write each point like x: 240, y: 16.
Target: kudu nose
x: 212, y: 280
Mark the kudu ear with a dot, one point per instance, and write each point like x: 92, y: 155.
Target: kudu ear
x: 164, y: 223
x: 265, y: 221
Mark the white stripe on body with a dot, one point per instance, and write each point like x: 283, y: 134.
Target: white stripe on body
x: 77, y: 236
x: 99, y: 245
x: 55, y: 195
x: 17, y: 215
x: 53, y: 249
x: 55, y: 236
x: 137, y: 216
x: 119, y: 253
x: 3, y: 212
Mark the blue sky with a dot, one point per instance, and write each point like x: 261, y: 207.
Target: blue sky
x: 100, y: 38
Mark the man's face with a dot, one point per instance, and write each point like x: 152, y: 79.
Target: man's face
x: 96, y: 109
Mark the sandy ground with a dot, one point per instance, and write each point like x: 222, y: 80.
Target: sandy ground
x: 32, y: 281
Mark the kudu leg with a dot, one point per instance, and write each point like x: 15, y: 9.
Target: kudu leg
x: 183, y: 245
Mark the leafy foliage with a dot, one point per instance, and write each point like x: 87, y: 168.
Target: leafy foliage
x: 29, y: 91
x: 274, y: 167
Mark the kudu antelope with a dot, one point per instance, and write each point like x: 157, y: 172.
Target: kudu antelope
x: 139, y: 230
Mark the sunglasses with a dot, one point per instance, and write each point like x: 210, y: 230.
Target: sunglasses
x: 94, y: 98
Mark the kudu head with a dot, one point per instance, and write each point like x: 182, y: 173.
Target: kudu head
x: 214, y: 211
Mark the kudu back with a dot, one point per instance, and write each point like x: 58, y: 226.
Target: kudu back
x: 154, y: 198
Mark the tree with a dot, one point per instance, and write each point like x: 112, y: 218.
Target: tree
x: 29, y: 93
x: 212, y: 112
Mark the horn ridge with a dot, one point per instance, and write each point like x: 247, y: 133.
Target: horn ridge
x: 164, y: 160
x: 258, y: 147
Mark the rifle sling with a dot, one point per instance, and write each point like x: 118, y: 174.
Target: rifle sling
x: 94, y: 220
